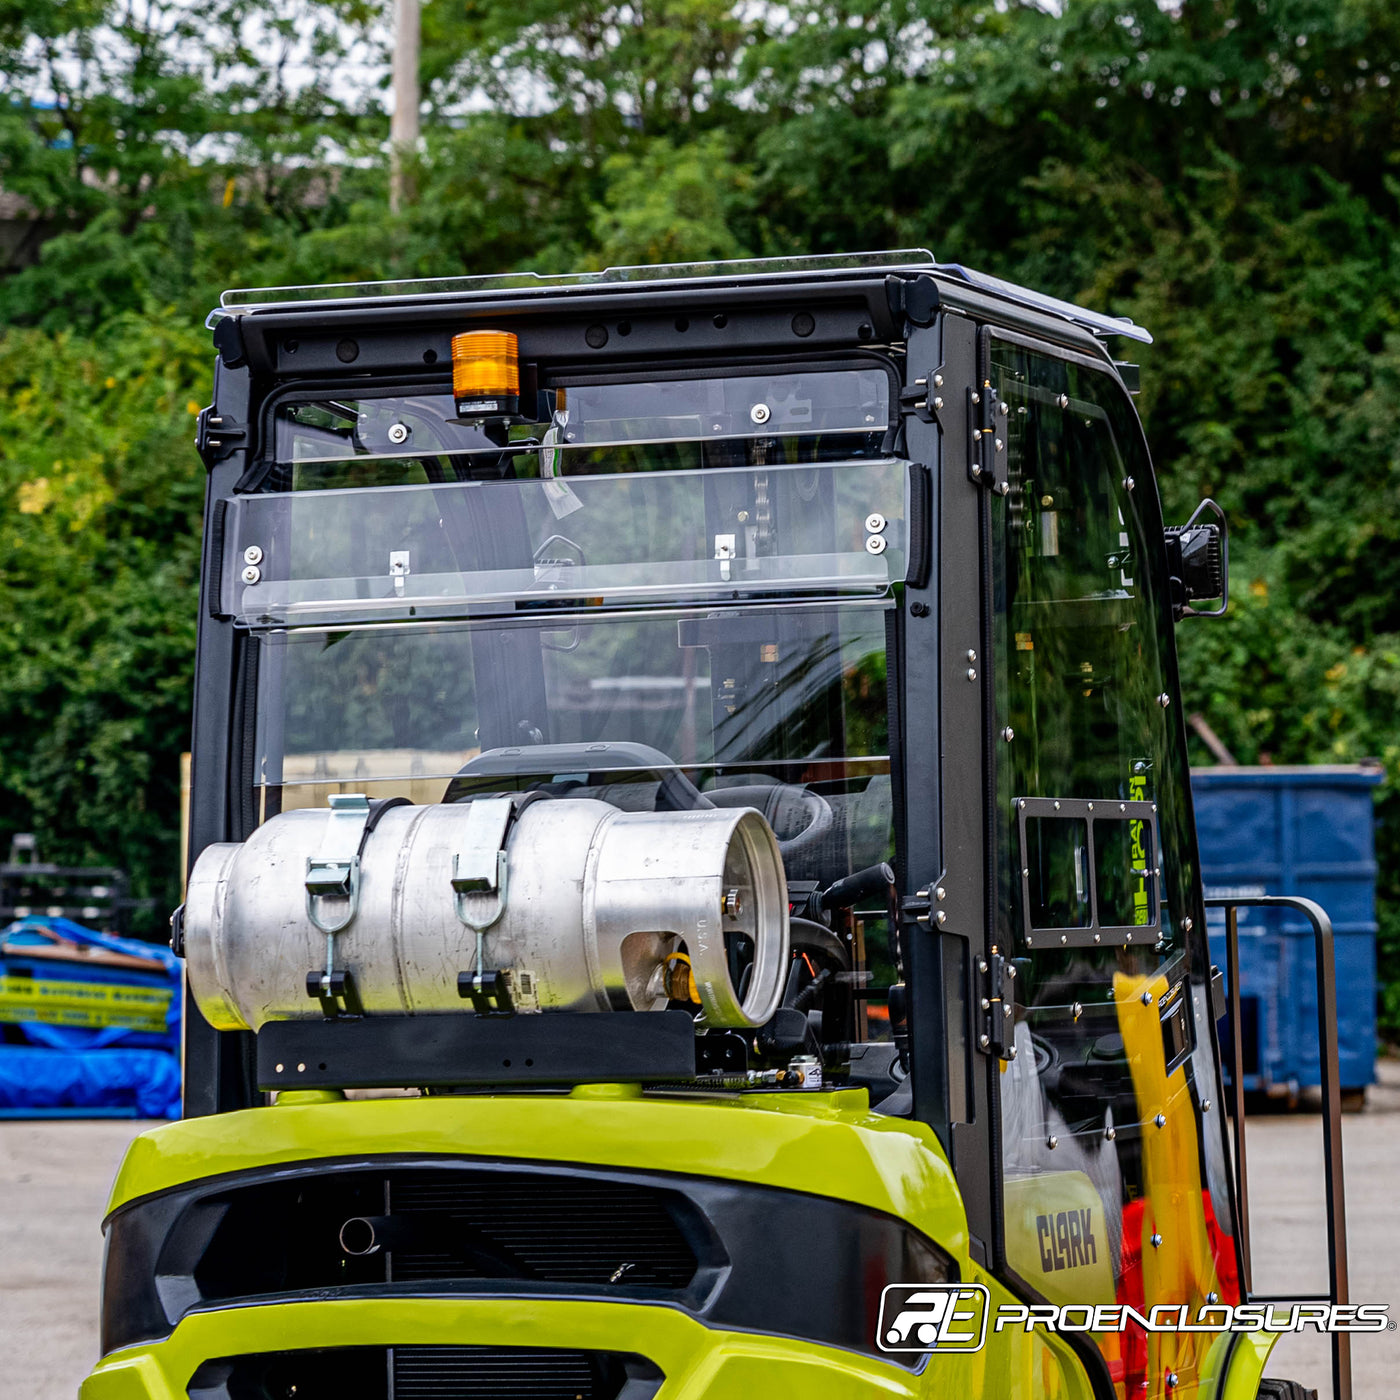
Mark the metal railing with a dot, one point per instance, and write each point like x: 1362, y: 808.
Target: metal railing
x: 1331, y: 1113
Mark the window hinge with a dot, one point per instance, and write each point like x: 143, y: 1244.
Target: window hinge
x: 986, y: 454
x: 996, y: 1005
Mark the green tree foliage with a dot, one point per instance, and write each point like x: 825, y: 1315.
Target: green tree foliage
x: 1223, y: 171
x: 99, y: 562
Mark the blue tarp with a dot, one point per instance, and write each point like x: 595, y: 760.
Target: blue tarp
x: 107, y: 1069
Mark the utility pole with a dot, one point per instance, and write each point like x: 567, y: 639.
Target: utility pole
x: 403, y: 126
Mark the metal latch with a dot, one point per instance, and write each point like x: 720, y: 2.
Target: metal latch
x: 996, y: 1005
x: 986, y: 456
x: 216, y: 436
x: 925, y: 397
x: 724, y: 552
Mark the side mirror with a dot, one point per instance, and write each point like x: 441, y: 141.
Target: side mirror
x: 1198, y: 563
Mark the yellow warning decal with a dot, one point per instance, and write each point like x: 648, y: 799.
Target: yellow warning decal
x: 95, y: 1004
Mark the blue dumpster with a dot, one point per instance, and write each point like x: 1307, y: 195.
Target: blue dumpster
x: 1305, y: 831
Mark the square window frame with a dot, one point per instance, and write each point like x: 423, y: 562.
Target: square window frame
x: 1094, y: 934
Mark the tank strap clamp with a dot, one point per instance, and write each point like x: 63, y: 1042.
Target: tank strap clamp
x: 333, y: 873
x: 479, y: 868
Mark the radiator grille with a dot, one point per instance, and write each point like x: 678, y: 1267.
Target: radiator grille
x: 492, y: 1225
x: 505, y: 1373
x: 427, y: 1373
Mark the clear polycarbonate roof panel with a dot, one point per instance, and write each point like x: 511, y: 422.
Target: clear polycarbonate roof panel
x: 1095, y: 321
x: 899, y: 259
x: 245, y: 297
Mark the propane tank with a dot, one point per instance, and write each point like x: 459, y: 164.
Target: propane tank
x: 583, y: 906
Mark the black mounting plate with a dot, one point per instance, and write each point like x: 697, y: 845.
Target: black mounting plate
x: 455, y: 1049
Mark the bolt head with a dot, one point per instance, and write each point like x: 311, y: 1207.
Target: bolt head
x: 1205, y: 1105
x: 1052, y: 1142
x: 937, y: 402
x: 984, y: 1041
x: 1008, y: 734
x: 1110, y: 1132
x: 1147, y: 998
x: 1010, y: 972
x: 942, y: 916
x: 971, y: 673
x: 981, y: 964
x: 1011, y: 1053
x: 875, y: 523
x: 398, y: 433
x: 1064, y: 938
x: 938, y: 381
x: 760, y: 413
x: 251, y: 574
x: 940, y: 894
x: 1160, y: 1120
x: 1188, y: 923
x: 1005, y: 1013
x: 875, y: 544
x: 253, y: 554
x: 1212, y: 1297
x: 1172, y: 1380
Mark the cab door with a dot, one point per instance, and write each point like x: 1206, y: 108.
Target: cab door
x: 1113, y: 1183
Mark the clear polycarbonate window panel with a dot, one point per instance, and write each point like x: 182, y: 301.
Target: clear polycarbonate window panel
x: 782, y: 709
x: 721, y: 535
x: 654, y: 425
x: 1112, y: 1186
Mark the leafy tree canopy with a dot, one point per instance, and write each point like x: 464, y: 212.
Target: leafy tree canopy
x: 1223, y: 171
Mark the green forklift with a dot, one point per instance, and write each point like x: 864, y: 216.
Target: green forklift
x: 694, y: 890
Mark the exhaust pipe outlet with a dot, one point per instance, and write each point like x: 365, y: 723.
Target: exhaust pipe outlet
x: 369, y: 1234
x: 582, y: 906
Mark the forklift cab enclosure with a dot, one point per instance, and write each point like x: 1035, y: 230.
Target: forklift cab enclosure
x: 767, y: 671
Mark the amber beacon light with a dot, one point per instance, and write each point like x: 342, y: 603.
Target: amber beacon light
x: 485, y: 372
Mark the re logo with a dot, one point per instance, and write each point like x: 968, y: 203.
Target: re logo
x: 933, y: 1317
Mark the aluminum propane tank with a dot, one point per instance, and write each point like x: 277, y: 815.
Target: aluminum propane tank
x: 584, y: 905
